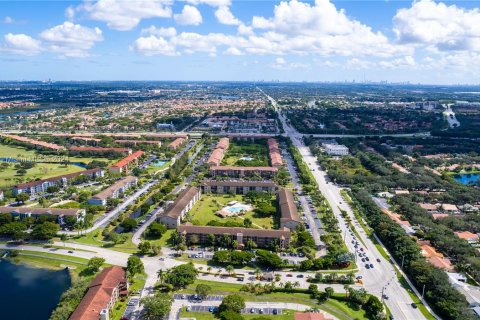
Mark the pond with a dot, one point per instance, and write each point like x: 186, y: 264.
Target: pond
x: 30, y: 293
x: 466, y: 178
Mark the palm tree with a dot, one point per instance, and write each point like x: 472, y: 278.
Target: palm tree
x: 161, y: 275
x: 347, y: 289
x: 230, y: 269
x: 258, y: 273
x: 350, y: 277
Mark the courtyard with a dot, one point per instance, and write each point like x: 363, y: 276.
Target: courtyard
x: 247, y: 154
x: 205, y: 211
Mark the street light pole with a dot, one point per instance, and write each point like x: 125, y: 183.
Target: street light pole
x: 423, y: 290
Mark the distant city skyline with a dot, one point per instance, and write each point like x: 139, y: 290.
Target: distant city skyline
x: 428, y: 42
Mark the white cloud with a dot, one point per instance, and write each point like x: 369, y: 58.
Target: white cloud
x: 8, y: 20
x: 70, y: 13
x: 212, y: 3
x: 153, y: 45
x: 296, y: 28
x: 234, y: 51
x: 225, y: 16
x: 21, y: 44
x: 160, y: 32
x: 71, y: 40
x: 189, y: 16
x: 125, y: 15
x: 321, y: 28
x: 245, y: 30
x: 282, y: 64
x: 407, y: 61
x: 439, y: 26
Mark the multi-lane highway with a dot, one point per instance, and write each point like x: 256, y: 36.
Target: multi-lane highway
x: 379, y: 280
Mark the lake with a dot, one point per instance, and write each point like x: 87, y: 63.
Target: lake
x: 30, y: 293
x: 466, y: 178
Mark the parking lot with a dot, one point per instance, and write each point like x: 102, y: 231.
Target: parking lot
x: 272, y: 311
x: 131, y: 306
x: 194, y: 297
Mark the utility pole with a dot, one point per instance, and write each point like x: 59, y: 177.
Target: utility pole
x: 403, y: 259
x: 423, y: 290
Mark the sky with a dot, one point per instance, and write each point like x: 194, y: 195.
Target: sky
x: 424, y: 41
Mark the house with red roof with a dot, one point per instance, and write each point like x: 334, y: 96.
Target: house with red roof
x: 126, y: 163
x: 102, y: 295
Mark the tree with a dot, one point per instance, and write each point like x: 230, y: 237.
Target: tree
x: 182, y: 275
x: 128, y: 224
x: 22, y: 197
x: 114, y: 237
x: 53, y: 189
x: 181, y: 246
x: 5, y: 218
x: 12, y: 229
x: 194, y: 239
x: 230, y: 315
x: 203, y: 290
x: 144, y: 208
x: 373, y: 306
x: 329, y: 292
x: 250, y: 245
x: 268, y: 259
x: 231, y: 270
x: 144, y: 247
x: 134, y: 266
x: 156, y: 307
x: 156, y: 229
x: 94, y: 264
x: 45, y: 231
x: 247, y: 223
x: 233, y: 302
x: 64, y: 238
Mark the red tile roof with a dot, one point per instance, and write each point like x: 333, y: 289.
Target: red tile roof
x: 101, y: 149
x: 176, y: 143
x: 125, y: 161
x: 99, y: 294
x: 34, y: 142
x: 233, y: 168
x: 310, y: 316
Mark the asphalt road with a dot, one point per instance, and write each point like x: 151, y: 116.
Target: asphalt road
x: 106, y: 218
x: 380, y: 279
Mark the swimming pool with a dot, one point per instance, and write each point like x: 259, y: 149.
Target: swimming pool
x: 160, y: 163
x: 236, y: 208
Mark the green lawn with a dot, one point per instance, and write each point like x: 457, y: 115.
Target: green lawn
x: 9, y: 177
x: 337, y: 308
x: 153, y: 168
x: 14, y: 151
x: 121, y: 304
x: 286, y: 315
x: 204, y: 211
x: 49, y: 260
x: 239, y: 149
x: 95, y: 238
x: 164, y: 241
